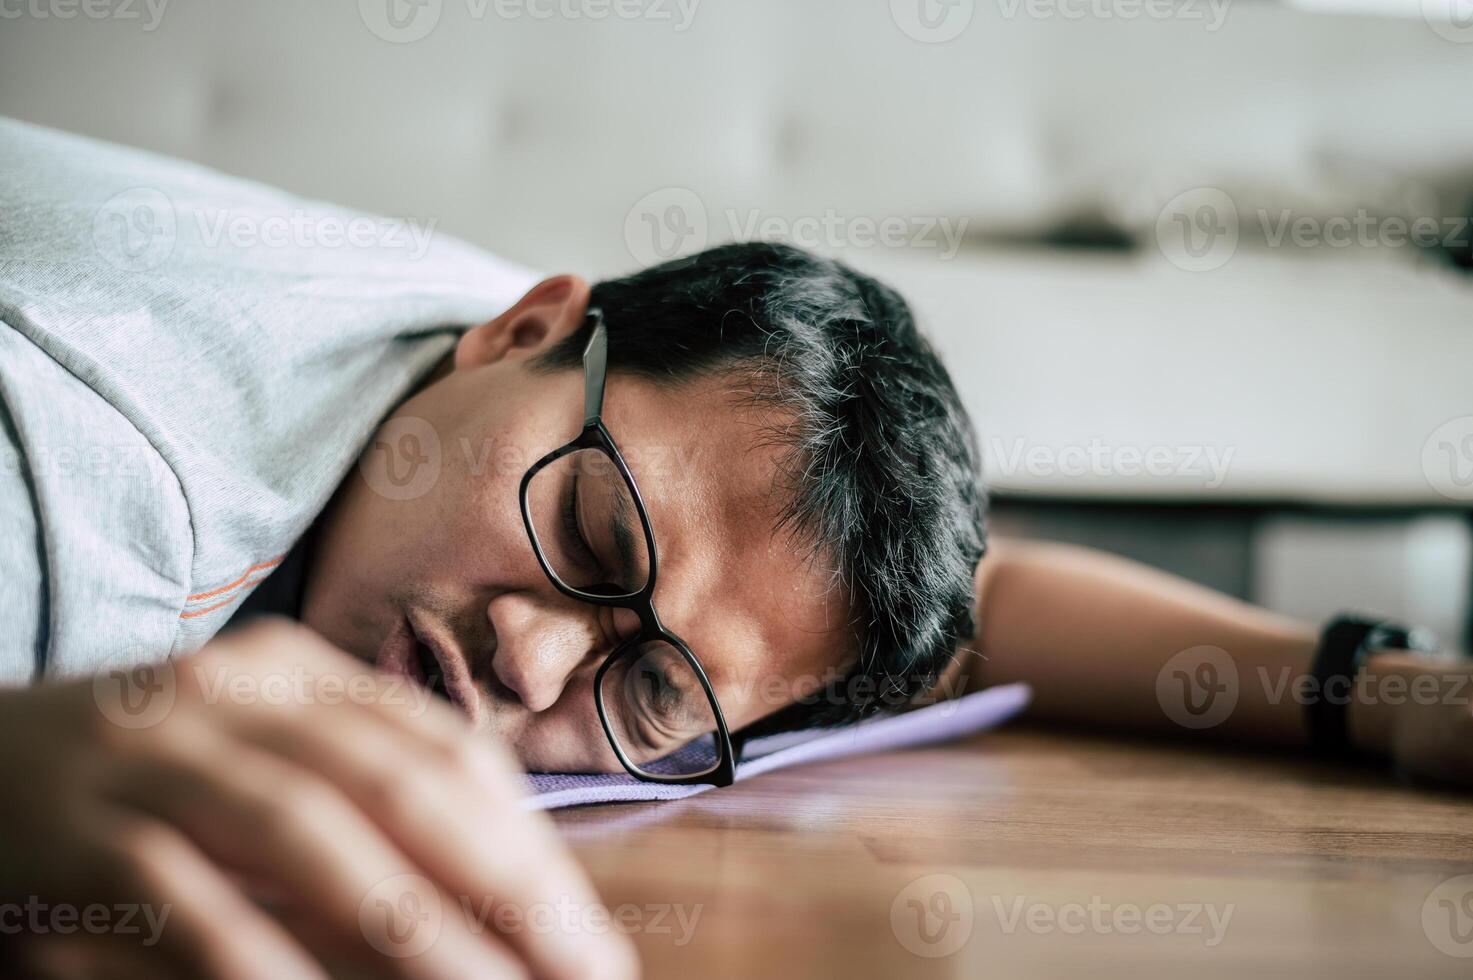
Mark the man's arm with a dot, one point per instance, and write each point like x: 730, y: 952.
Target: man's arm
x: 1093, y: 633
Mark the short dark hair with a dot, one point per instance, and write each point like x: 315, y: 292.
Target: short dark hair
x: 883, y: 468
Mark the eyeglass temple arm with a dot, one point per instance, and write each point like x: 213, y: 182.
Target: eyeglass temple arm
x: 595, y: 368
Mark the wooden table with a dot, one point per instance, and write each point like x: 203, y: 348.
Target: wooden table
x: 1035, y: 854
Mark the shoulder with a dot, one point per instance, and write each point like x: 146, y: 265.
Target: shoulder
x: 95, y: 534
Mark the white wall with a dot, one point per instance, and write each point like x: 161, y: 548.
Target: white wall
x: 564, y: 141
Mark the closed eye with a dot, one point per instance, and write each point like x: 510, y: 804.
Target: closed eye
x: 579, y: 550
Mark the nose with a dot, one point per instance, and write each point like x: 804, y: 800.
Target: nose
x: 539, y: 645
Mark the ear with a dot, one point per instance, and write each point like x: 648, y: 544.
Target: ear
x: 550, y: 311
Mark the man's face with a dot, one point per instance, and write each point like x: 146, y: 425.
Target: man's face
x: 442, y: 568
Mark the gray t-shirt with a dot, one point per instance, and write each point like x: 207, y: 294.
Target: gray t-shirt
x: 189, y: 366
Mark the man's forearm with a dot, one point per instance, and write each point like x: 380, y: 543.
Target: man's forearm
x: 1092, y: 633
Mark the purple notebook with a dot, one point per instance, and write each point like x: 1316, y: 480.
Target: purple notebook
x: 924, y: 726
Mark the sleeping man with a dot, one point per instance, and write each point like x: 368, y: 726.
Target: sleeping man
x: 310, y: 540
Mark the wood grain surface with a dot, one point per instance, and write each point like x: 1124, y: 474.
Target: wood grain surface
x: 1037, y: 854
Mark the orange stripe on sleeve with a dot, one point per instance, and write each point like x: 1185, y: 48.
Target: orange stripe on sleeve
x: 226, y: 588
x: 219, y: 605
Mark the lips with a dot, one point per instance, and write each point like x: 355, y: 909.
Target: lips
x: 399, y: 656
x: 445, y: 667
x: 404, y: 654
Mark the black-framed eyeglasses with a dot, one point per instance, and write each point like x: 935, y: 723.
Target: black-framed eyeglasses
x: 592, y: 536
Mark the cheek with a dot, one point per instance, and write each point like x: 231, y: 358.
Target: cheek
x: 565, y: 738
x: 480, y: 488
x: 475, y: 526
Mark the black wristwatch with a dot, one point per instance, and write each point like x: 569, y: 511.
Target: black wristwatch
x: 1344, y: 645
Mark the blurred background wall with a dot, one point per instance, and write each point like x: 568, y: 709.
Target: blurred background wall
x: 1196, y: 266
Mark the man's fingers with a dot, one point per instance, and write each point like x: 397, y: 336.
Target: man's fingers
x: 85, y: 956
x: 435, y: 805
x: 328, y: 676
x: 447, y: 801
x: 454, y: 807
x: 284, y: 825
x: 197, y: 920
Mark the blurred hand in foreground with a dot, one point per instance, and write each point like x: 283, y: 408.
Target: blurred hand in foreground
x: 154, y: 815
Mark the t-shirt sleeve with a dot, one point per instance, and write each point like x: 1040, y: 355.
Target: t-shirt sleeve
x: 22, y: 556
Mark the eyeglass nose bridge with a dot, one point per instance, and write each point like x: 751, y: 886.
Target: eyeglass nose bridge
x: 642, y: 604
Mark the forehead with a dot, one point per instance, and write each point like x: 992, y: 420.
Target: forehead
x: 751, y: 599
